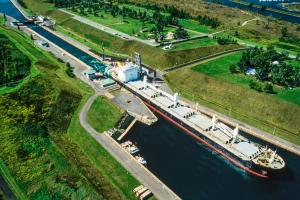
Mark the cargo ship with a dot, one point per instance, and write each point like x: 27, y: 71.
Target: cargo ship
x: 252, y: 157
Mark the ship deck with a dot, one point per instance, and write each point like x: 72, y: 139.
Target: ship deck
x: 197, y: 121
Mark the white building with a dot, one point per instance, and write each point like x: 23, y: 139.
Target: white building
x: 129, y: 72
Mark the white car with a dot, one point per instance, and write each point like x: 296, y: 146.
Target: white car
x: 103, y: 29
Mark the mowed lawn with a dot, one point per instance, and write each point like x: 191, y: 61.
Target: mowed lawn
x: 219, y: 68
x: 188, y: 24
x: 193, y: 44
x: 103, y: 115
x: 126, y: 25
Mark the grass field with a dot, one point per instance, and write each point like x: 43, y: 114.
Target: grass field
x: 126, y: 25
x: 162, y: 60
x: 212, y: 85
x: 192, y: 25
x: 88, y: 43
x: 219, y: 68
x: 103, y: 115
x: 154, y: 57
x: 194, y: 44
x: 67, y: 162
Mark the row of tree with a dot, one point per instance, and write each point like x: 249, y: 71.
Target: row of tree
x: 14, y: 65
x: 224, y: 41
x: 95, y: 6
x: 269, y: 65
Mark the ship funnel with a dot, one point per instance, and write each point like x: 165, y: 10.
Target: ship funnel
x: 235, y: 134
x: 175, y: 99
x: 214, y: 121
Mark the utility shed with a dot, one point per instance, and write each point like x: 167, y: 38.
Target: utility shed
x: 107, y: 82
x: 90, y: 74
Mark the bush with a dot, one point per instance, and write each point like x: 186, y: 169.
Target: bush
x: 268, y: 88
x: 233, y: 69
x: 69, y: 71
x: 255, y: 85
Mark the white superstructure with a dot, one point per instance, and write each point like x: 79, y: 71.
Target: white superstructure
x: 128, y: 72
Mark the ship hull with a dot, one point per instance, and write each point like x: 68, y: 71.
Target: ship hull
x: 247, y: 165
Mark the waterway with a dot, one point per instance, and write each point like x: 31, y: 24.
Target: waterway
x: 193, y: 171
x: 186, y: 166
x: 269, y: 4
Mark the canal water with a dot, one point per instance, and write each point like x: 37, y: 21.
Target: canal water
x: 186, y: 166
x: 269, y: 4
x: 193, y: 171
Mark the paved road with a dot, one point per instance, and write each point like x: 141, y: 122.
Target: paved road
x: 125, y: 159
x: 108, y: 29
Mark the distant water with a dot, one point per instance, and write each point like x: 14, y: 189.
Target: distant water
x: 193, y: 171
x: 269, y: 4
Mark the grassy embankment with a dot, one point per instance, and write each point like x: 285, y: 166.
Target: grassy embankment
x: 103, y: 114
x: 212, y: 85
x: 154, y: 57
x: 66, y: 167
x: 127, y: 25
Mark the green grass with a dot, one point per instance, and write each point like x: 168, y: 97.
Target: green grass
x: 193, y: 44
x: 217, y: 88
x: 103, y: 115
x: 219, y: 68
x: 72, y: 160
x: 262, y: 43
x: 126, y: 25
x: 88, y: 43
x: 163, y: 59
x: 192, y: 25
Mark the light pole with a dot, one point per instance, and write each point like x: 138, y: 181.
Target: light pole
x: 197, y: 106
x: 274, y: 130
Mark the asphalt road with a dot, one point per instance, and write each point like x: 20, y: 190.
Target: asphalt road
x: 125, y: 159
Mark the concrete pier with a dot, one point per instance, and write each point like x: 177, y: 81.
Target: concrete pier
x: 126, y: 131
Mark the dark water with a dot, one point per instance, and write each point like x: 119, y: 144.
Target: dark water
x: 193, y: 171
x: 269, y: 4
x: 190, y: 169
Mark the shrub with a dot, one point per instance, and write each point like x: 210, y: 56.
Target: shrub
x: 268, y: 88
x: 233, y: 69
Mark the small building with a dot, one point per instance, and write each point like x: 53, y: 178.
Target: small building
x: 90, y: 74
x: 40, y: 18
x: 129, y: 72
x: 43, y: 43
x: 107, y: 82
x: 251, y: 71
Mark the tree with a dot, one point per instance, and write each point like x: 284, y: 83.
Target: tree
x: 233, y: 69
x: 284, y: 31
x: 298, y: 56
x: 263, y: 8
x: 268, y: 88
x: 250, y: 5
